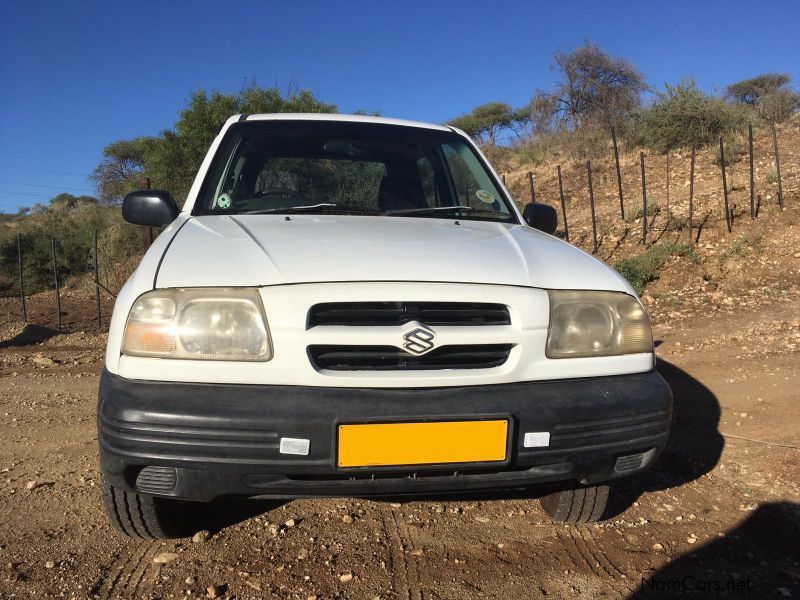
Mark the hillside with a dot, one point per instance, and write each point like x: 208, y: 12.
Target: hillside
x: 755, y: 264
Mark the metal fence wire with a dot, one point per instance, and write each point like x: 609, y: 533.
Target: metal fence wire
x: 754, y: 201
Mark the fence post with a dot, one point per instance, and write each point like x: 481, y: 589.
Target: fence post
x: 55, y: 277
x: 644, y: 200
x: 777, y: 164
x: 97, y: 282
x: 668, y: 213
x: 752, y: 175
x: 563, y: 204
x: 21, y: 282
x: 724, y: 185
x: 691, y: 193
x: 591, y: 204
x: 148, y: 231
x: 619, y: 175
x: 533, y: 188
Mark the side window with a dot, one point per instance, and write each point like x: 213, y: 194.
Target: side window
x: 463, y: 180
x: 473, y: 187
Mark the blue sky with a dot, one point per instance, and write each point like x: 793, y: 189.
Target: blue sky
x: 77, y: 75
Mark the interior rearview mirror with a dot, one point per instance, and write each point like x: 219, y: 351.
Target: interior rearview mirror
x: 541, y: 217
x: 152, y: 208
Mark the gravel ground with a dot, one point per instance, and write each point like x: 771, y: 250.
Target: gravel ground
x: 718, y: 515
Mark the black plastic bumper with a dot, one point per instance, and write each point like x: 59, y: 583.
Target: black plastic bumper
x: 203, y: 441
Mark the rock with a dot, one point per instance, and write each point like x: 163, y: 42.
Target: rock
x: 166, y: 557
x: 273, y: 529
x: 31, y: 485
x: 216, y: 591
x: 691, y: 540
x: 657, y: 546
x: 49, y: 564
x: 418, y: 552
x: 345, y: 577
x: 302, y: 554
x: 482, y: 519
x: 395, y: 504
x: 347, y: 519
x: 43, y: 361
x: 201, y: 536
x: 189, y: 580
x: 290, y: 523
x: 253, y: 584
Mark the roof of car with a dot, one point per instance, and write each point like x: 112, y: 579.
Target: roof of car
x: 338, y: 117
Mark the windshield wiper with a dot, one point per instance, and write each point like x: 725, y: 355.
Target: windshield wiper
x: 322, y: 207
x: 280, y: 209
x: 428, y: 210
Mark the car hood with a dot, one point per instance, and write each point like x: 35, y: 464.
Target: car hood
x: 256, y: 250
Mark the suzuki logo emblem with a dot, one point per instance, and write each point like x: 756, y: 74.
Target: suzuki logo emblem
x: 419, y: 340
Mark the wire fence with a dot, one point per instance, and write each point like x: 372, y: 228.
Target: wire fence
x: 57, y: 283
x: 531, y: 178
x: 691, y: 224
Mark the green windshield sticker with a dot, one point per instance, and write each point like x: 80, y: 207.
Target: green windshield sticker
x: 484, y: 196
x: 224, y: 201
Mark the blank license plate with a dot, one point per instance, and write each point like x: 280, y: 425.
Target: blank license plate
x: 441, y: 442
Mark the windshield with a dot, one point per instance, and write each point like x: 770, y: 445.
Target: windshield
x: 339, y: 167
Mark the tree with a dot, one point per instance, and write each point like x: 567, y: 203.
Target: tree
x: 172, y: 158
x: 682, y: 116
x: 770, y: 94
x: 594, y: 89
x: 485, y: 122
x: 750, y: 91
x: 778, y: 106
x: 121, y: 169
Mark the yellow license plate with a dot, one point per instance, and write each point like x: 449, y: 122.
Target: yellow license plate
x: 397, y: 444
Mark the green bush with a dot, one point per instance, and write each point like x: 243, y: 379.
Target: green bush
x: 734, y: 151
x: 653, y: 209
x: 643, y: 268
x: 72, y: 227
x: 682, y: 116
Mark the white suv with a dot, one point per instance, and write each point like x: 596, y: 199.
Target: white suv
x: 354, y: 306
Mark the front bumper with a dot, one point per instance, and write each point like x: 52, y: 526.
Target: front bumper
x: 203, y: 441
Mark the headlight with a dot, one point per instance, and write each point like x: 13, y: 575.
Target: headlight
x: 201, y: 324
x: 596, y: 324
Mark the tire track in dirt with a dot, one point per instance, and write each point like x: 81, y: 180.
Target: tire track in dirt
x: 405, y: 576
x: 586, y: 554
x: 133, y: 574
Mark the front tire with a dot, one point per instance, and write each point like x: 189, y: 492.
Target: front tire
x: 580, y: 505
x: 145, y: 517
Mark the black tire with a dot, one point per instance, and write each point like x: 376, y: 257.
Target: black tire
x: 580, y: 505
x: 146, y: 517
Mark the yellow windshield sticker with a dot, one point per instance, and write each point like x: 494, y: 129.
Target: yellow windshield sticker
x: 484, y: 196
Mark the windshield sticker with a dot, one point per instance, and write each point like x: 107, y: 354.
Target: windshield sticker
x: 484, y: 196
x: 224, y: 201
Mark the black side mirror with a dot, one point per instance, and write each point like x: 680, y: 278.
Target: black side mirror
x: 152, y: 208
x: 541, y: 216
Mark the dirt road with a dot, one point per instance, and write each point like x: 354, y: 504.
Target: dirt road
x: 718, y: 515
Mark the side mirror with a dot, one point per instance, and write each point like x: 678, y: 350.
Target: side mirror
x: 541, y: 216
x: 152, y: 208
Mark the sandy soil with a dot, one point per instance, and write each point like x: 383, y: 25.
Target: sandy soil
x: 719, y: 513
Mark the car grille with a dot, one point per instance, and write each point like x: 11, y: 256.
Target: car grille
x: 389, y: 358
x: 399, y: 313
